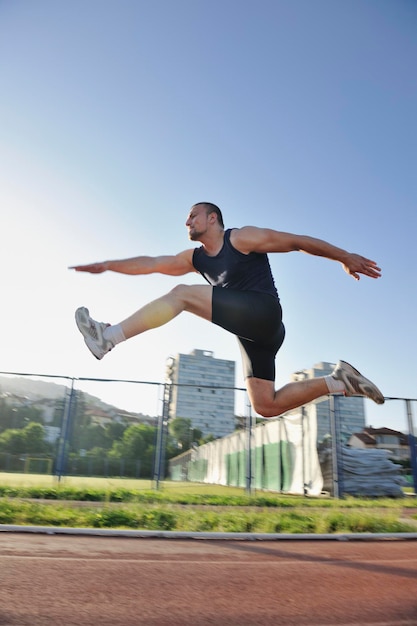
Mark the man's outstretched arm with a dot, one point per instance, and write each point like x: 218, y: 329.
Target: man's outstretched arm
x: 172, y: 265
x: 252, y: 239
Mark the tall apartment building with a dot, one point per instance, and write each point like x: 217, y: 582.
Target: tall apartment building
x: 196, y: 395
x: 352, y: 410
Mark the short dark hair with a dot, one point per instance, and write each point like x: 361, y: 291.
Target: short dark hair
x: 212, y: 208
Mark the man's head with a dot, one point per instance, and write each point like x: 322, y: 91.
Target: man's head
x: 202, y: 216
x: 211, y: 208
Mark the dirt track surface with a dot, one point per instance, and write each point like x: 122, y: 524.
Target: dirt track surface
x: 103, y: 581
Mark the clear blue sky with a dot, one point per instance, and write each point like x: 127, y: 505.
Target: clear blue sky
x: 117, y: 115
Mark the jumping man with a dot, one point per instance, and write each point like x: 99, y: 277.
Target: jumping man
x: 241, y: 297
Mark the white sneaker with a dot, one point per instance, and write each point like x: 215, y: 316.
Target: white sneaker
x: 355, y: 383
x: 92, y: 332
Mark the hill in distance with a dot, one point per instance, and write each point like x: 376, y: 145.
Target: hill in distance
x: 35, y: 389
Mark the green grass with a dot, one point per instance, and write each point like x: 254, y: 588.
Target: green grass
x: 119, y: 503
x: 103, y: 484
x: 174, y: 518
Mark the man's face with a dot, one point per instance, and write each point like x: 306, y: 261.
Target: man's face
x: 197, y: 222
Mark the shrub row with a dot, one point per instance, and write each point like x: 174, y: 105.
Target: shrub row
x: 165, y: 517
x: 123, y: 495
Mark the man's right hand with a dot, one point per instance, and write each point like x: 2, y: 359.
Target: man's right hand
x: 93, y: 268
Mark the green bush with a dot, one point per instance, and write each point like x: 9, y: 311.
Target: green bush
x: 7, y: 512
x: 113, y: 518
x: 161, y: 517
x: 197, y: 508
x: 38, y: 515
x: 157, y: 519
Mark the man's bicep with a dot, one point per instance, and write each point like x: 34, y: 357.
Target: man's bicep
x: 254, y: 239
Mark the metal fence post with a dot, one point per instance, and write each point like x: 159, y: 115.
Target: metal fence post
x: 412, y: 443
x: 159, y: 466
x: 158, y: 452
x: 249, y: 449
x: 65, y: 429
x: 303, y: 450
x: 337, y: 457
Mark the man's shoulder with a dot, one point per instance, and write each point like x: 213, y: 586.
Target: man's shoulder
x: 244, y: 238
x: 188, y: 253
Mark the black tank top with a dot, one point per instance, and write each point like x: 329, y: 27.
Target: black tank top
x: 232, y: 269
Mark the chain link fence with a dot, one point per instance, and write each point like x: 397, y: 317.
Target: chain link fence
x: 77, y: 413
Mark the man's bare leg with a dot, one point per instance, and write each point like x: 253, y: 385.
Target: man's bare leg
x: 197, y: 299
x: 269, y: 402
x: 100, y: 338
x: 192, y: 298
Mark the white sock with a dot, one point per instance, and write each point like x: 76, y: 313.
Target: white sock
x: 114, y: 334
x: 334, y: 385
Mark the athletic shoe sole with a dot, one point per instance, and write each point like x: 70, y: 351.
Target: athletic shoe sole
x: 356, y: 384
x: 92, y: 332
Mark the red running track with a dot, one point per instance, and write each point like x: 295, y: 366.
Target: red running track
x: 62, y: 580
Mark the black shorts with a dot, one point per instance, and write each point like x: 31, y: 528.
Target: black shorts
x: 256, y: 319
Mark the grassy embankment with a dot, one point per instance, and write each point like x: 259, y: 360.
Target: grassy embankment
x: 121, y: 503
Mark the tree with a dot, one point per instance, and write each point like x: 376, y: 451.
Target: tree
x: 34, y: 437
x: 208, y: 438
x: 12, y: 417
x: 97, y: 452
x: 181, y: 429
x: 136, y: 439
x: 114, y: 431
x: 12, y: 441
x: 137, y: 444
x: 28, y: 440
x: 92, y: 436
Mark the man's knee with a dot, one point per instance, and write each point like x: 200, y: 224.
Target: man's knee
x: 264, y: 409
x: 195, y: 299
x: 179, y: 291
x: 261, y: 394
